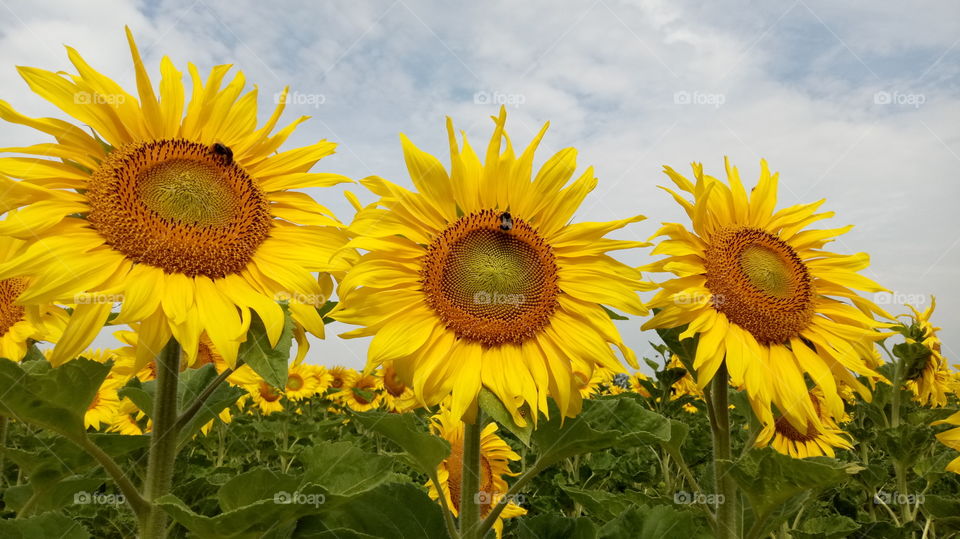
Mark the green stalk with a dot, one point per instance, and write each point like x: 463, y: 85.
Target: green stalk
x: 727, y: 510
x: 470, y: 480
x: 898, y: 467
x: 163, y: 441
x: 3, y: 445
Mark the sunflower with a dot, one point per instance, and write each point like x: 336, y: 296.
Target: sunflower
x: 930, y: 379
x: 179, y: 211
x: 478, y: 279
x: 764, y: 297
x: 265, y: 397
x: 686, y: 385
x: 592, y: 385
x: 302, y: 382
x: 495, y: 458
x: 19, y: 324
x: 338, y: 377
x: 106, y: 403
x: 816, y: 440
x: 361, y: 392
x: 636, y: 384
x: 129, y: 419
x: 951, y: 439
x: 397, y: 397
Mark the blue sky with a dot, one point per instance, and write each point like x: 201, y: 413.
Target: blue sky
x: 855, y: 102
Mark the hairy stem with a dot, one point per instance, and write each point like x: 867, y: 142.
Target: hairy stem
x: 725, y: 486
x: 470, y: 480
x: 163, y: 441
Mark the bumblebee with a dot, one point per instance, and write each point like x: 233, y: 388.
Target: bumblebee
x: 506, y: 221
x: 223, y: 151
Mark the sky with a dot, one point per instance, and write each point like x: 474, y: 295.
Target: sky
x: 855, y: 102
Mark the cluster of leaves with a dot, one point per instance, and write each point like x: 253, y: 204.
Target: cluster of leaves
x: 628, y: 466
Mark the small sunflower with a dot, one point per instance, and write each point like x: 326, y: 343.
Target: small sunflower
x: 592, y: 385
x: 931, y: 379
x: 766, y: 299
x: 686, y: 385
x: 397, y: 397
x: 339, y: 376
x: 180, y: 211
x: 495, y: 458
x: 816, y: 440
x: 951, y: 439
x: 129, y: 420
x: 265, y: 397
x: 361, y: 392
x: 637, y: 386
x: 20, y: 324
x: 479, y: 279
x: 106, y: 403
x: 302, y: 382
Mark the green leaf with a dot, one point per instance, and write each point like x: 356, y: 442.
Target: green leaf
x: 343, y: 469
x: 659, y: 521
x: 55, y: 399
x: 492, y: 406
x: 769, y: 480
x: 269, y: 362
x: 393, y: 510
x: 613, y: 315
x: 254, y: 486
x: 250, y: 521
x: 423, y: 451
x: 604, y: 506
x: 45, y: 525
x: 945, y: 510
x: 556, y: 527
x: 827, y: 527
x: 140, y: 393
x: 606, y: 422
x: 53, y: 495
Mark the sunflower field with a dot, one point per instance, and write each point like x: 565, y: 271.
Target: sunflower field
x: 498, y: 398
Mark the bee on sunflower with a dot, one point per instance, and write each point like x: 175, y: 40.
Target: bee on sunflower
x: 180, y: 211
x: 771, y: 305
x: 479, y: 279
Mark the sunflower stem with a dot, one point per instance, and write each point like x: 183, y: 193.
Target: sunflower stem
x: 134, y: 499
x: 470, y: 480
x: 163, y: 441
x: 898, y: 467
x: 3, y: 445
x: 724, y: 484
